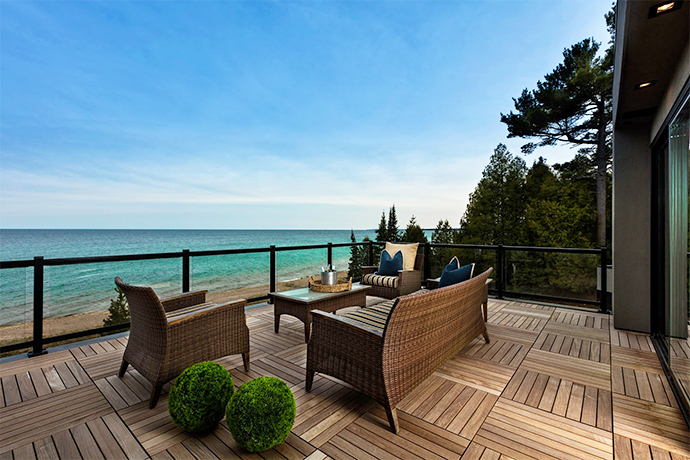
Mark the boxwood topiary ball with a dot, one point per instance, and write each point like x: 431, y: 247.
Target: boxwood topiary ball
x: 199, y: 396
x: 261, y: 413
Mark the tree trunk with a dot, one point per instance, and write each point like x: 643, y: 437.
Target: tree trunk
x: 601, y: 177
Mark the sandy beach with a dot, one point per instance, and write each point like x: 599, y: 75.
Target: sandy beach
x: 66, y: 324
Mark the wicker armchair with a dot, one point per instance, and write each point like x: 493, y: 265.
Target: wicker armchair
x: 407, y: 281
x: 169, y: 335
x: 417, y: 334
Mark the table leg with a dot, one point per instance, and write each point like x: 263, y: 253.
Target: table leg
x: 277, y: 322
x: 307, y: 331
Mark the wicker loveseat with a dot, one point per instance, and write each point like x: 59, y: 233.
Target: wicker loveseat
x: 169, y: 335
x: 390, y: 287
x: 386, y: 350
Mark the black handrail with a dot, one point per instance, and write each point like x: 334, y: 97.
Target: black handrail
x: 38, y: 263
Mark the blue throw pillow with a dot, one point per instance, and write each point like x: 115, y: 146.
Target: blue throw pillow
x: 389, y: 266
x: 454, y: 264
x: 458, y: 275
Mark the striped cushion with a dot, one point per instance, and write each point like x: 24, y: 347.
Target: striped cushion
x: 372, y: 279
x: 189, y: 311
x: 373, y: 317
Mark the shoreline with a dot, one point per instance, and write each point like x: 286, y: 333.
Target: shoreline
x: 74, y: 323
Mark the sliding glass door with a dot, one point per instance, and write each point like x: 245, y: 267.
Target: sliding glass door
x: 676, y: 252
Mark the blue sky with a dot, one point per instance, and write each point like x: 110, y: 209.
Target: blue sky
x: 230, y: 114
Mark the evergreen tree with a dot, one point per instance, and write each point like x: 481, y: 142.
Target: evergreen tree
x: 443, y: 234
x: 495, y: 213
x: 393, y: 233
x: 573, y: 105
x: 354, y: 266
x: 382, y: 232
x: 118, y: 312
x: 414, y: 233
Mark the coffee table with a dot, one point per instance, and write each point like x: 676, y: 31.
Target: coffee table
x: 300, y: 302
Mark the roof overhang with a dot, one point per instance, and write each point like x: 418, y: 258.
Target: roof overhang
x: 647, y: 49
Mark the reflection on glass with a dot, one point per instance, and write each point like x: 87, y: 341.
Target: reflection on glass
x: 676, y: 249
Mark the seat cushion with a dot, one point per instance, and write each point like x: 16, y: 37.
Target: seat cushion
x: 373, y: 317
x: 189, y: 311
x: 390, y: 264
x: 373, y: 279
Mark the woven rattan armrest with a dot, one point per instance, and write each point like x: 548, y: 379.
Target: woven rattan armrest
x: 237, y: 305
x: 344, y: 321
x: 183, y: 300
x: 432, y: 283
x: 367, y: 269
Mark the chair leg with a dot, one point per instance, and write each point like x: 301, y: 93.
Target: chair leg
x: 486, y: 311
x: 486, y: 336
x: 155, y: 394
x: 309, y: 381
x: 392, y: 414
x: 123, y: 368
x: 245, y: 358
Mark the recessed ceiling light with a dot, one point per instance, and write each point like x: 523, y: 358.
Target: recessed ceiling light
x: 645, y: 84
x: 663, y: 8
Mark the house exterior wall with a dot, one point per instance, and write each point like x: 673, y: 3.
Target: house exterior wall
x: 631, y: 230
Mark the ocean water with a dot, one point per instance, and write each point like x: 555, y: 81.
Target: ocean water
x: 83, y: 288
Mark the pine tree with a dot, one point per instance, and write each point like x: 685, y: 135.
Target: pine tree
x: 573, y: 105
x: 414, y: 233
x: 495, y: 213
x: 354, y: 266
x: 382, y: 232
x: 118, y: 312
x: 443, y: 234
x: 393, y: 233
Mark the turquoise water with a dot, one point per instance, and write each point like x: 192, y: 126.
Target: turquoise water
x: 75, y: 289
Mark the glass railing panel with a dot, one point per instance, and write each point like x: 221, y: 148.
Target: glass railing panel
x: 572, y: 276
x: 231, y: 277
x: 78, y: 297
x: 482, y: 258
x: 16, y: 305
x: 293, y: 268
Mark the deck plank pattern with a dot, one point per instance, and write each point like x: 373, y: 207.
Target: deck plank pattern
x: 552, y: 383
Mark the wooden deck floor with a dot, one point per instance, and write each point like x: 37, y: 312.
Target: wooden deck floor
x: 552, y: 383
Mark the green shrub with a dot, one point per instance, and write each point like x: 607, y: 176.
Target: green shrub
x: 261, y: 413
x: 199, y: 396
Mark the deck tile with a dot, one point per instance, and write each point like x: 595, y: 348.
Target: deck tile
x: 552, y: 383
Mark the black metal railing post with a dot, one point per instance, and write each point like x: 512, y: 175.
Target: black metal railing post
x: 330, y: 254
x: 38, y: 308
x: 500, y: 279
x: 371, y: 253
x: 427, y: 262
x: 185, y: 270
x: 272, y: 285
x: 604, y: 301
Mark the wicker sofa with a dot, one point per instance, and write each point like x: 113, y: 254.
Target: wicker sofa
x: 390, y: 287
x: 169, y: 335
x: 386, y: 350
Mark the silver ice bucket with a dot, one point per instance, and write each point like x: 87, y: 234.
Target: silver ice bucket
x: 329, y: 278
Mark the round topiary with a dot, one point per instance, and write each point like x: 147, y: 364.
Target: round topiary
x: 199, y: 396
x: 261, y: 413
